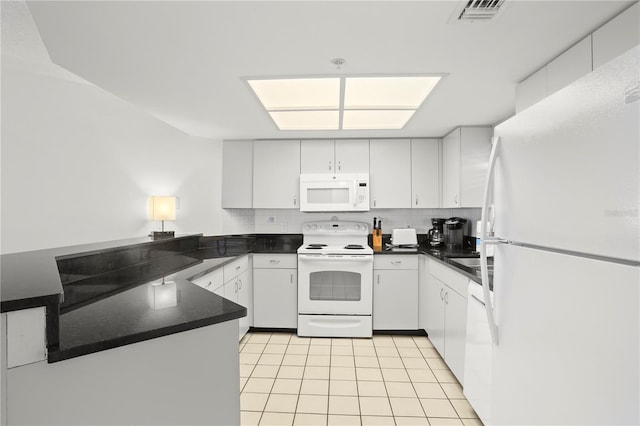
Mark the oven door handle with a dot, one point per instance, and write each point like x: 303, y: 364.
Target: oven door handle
x: 324, y: 258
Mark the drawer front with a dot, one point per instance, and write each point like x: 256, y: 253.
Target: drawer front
x: 458, y: 282
x: 211, y: 281
x: 236, y: 267
x: 395, y: 262
x: 275, y: 261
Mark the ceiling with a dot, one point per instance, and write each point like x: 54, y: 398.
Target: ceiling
x: 185, y: 62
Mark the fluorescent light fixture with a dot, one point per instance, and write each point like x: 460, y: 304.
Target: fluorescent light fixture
x: 361, y: 103
x: 376, y: 119
x: 298, y: 93
x: 306, y: 120
x: 387, y: 92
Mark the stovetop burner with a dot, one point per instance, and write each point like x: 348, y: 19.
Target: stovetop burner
x: 354, y: 247
x: 316, y: 245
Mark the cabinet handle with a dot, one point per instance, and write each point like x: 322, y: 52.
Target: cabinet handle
x: 396, y: 262
x: 446, y: 298
x: 208, y: 284
x: 416, y: 200
x: 238, y: 268
x: 374, y: 202
x: 274, y: 261
x: 239, y: 284
x: 455, y: 199
x: 329, y: 165
x: 339, y: 165
x: 295, y: 200
x: 441, y: 296
x: 291, y: 278
x: 378, y: 278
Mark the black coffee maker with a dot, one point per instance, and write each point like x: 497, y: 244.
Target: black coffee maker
x: 454, y: 232
x: 436, y: 234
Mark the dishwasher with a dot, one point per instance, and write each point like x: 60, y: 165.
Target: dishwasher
x: 478, y: 354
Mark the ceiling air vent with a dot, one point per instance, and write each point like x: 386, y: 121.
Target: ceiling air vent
x: 478, y: 10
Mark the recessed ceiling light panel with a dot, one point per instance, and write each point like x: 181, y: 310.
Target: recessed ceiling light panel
x: 306, y: 120
x: 298, y: 93
x: 387, y: 92
x: 376, y: 119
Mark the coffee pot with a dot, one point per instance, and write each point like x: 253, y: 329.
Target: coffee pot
x: 454, y: 232
x: 436, y: 234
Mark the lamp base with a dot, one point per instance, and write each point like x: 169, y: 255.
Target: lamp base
x: 158, y: 235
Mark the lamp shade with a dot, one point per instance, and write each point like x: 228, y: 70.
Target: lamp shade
x: 162, y: 208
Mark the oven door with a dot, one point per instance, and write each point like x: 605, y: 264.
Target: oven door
x: 335, y: 284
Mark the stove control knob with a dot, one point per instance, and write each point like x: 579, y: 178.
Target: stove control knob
x: 315, y: 227
x: 307, y: 227
x: 357, y: 227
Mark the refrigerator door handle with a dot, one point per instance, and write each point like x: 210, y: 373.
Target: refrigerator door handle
x: 488, y: 189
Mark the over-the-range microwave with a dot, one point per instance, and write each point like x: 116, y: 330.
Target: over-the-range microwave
x: 334, y: 192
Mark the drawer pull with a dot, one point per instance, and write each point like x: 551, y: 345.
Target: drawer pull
x: 274, y: 261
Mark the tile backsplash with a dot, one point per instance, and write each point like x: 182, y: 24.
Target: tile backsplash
x: 285, y: 221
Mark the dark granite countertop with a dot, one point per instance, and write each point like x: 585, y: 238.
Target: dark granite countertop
x: 447, y: 257
x: 97, y: 296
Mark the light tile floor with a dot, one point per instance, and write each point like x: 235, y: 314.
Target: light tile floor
x: 386, y: 380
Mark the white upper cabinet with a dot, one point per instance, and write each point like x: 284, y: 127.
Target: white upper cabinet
x: 532, y: 90
x: 425, y: 173
x: 465, y: 161
x: 607, y: 42
x: 276, y: 174
x: 616, y: 36
x: 570, y: 66
x: 237, y: 174
x: 390, y: 173
x: 334, y: 156
x: 451, y: 169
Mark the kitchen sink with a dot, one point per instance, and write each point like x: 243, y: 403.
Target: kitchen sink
x: 469, y: 262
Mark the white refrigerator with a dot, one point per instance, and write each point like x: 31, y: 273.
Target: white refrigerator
x: 565, y: 314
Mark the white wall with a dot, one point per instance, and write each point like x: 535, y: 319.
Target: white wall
x: 78, y: 163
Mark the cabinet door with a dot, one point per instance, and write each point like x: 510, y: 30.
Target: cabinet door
x: 390, y: 173
x: 451, y: 169
x: 616, y: 36
x: 276, y: 174
x: 475, y: 150
x: 425, y: 173
x: 230, y: 291
x: 423, y: 298
x: 275, y: 298
x: 237, y: 174
x: 245, y: 298
x: 532, y: 90
x: 317, y: 156
x: 570, y: 66
x: 435, y: 313
x: 352, y: 156
x: 455, y: 332
x: 395, y: 300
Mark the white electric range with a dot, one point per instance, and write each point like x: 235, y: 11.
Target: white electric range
x: 335, y: 280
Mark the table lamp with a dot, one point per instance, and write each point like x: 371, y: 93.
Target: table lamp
x: 162, y: 208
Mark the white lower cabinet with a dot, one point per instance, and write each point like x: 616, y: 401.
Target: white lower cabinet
x: 395, y: 292
x: 446, y: 316
x: 275, y: 290
x: 233, y: 282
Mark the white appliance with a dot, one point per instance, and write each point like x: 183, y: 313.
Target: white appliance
x: 565, y: 319
x: 334, y: 192
x: 335, y: 280
x: 477, y: 360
